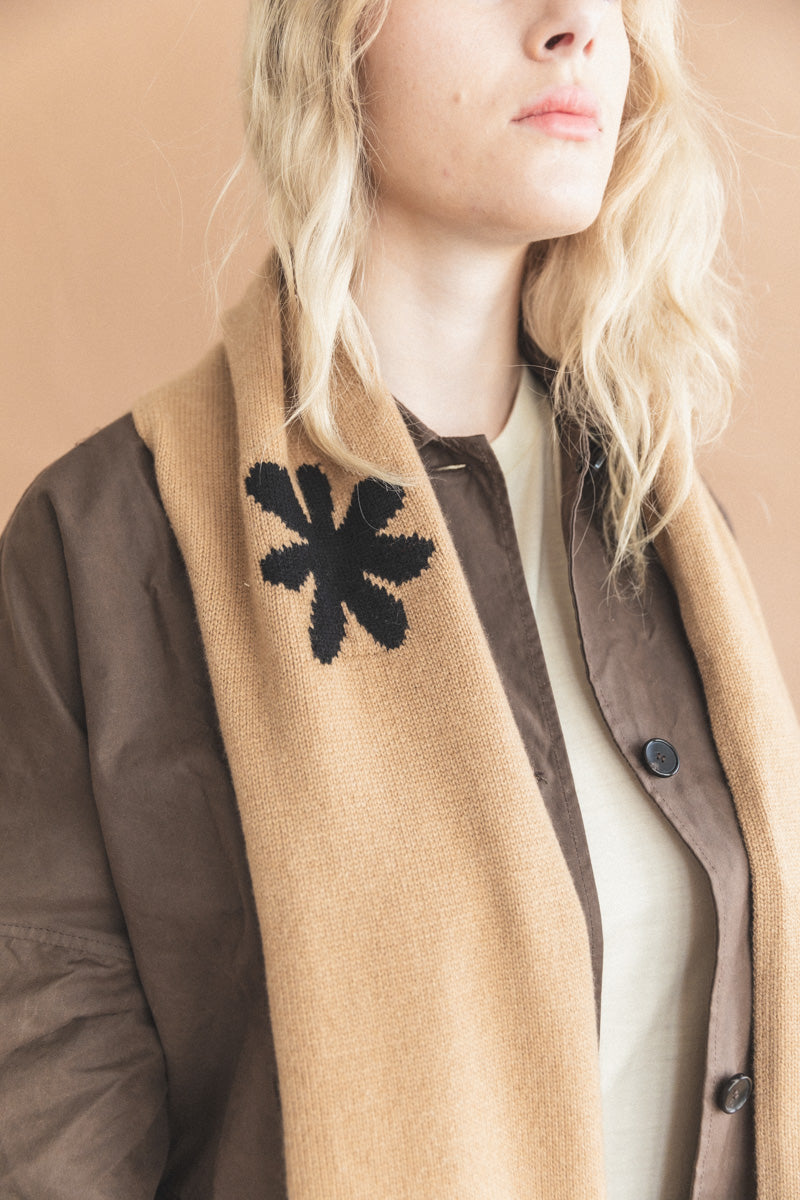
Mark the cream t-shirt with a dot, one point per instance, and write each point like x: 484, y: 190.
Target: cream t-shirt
x: 658, y: 918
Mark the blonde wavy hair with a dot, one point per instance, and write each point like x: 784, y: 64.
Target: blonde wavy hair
x: 636, y: 312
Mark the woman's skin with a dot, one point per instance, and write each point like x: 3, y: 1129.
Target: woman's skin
x: 463, y: 188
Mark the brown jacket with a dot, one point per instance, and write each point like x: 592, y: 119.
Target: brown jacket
x: 136, y: 1058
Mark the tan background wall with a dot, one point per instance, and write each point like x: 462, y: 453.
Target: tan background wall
x: 118, y: 121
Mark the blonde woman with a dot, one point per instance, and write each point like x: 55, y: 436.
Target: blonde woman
x: 394, y: 779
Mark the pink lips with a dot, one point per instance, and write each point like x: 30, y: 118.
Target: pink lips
x: 571, y: 113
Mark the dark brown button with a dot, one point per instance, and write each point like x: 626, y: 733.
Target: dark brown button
x: 661, y: 758
x: 735, y: 1093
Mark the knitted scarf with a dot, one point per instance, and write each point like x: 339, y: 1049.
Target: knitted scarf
x: 427, y: 960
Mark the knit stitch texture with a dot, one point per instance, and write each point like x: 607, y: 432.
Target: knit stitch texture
x: 427, y: 960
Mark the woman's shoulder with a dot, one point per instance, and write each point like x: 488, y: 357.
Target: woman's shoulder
x: 90, y: 537
x: 105, y: 486
x: 93, y: 587
x: 106, y: 480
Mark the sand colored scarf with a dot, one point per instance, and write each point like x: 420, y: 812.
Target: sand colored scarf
x: 427, y: 960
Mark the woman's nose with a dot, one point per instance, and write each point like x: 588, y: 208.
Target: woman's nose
x: 565, y: 28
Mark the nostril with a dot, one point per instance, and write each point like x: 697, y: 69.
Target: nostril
x: 557, y: 40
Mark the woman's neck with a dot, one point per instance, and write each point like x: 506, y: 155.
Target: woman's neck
x: 444, y: 318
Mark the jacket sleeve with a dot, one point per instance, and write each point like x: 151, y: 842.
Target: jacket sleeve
x: 82, y: 1078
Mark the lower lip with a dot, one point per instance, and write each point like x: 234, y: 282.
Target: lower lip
x: 571, y: 126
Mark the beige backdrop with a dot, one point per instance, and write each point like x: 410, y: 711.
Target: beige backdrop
x: 118, y: 122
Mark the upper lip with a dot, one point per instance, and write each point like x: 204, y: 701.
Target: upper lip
x: 576, y: 101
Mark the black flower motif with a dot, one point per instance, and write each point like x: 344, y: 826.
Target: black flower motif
x: 340, y: 558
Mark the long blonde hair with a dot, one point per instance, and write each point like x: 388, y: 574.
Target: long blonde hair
x: 636, y: 311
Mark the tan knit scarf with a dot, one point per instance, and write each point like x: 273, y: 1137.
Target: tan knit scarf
x: 427, y: 960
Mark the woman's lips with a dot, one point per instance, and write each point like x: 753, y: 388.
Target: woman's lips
x: 566, y: 112
x: 563, y: 125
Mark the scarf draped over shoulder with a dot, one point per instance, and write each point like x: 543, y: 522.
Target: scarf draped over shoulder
x: 427, y: 959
